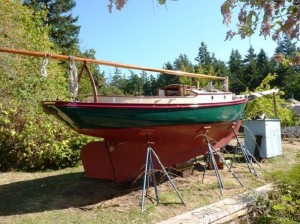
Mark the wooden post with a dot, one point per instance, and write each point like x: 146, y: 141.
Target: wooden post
x: 275, y: 105
x: 92, y: 82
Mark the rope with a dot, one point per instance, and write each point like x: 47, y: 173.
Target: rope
x: 43, y: 69
x: 73, y: 80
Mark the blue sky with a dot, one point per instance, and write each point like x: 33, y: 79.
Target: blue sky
x: 147, y: 34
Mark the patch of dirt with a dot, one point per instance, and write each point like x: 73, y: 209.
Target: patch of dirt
x: 129, y: 196
x: 68, y: 189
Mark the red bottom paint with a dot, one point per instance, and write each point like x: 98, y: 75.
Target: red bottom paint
x: 121, y: 156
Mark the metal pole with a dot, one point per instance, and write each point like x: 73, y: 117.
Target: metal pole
x: 152, y: 176
x: 166, y: 173
x: 216, y: 169
x: 211, y: 159
x: 233, y: 174
x: 145, y: 178
x: 149, y: 170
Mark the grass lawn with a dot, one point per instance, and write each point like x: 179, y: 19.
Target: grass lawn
x: 66, y: 196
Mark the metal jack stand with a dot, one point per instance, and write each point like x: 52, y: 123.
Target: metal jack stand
x: 247, y: 155
x: 211, y: 158
x: 150, y: 175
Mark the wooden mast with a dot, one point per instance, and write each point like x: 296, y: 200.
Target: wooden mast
x: 108, y: 63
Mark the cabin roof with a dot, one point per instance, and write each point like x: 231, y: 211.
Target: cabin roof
x: 178, y: 86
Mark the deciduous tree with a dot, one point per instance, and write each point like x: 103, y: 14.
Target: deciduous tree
x: 30, y: 139
x: 270, y: 18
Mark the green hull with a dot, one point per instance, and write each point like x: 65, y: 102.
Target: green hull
x: 97, y: 116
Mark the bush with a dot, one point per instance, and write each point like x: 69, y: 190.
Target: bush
x: 283, y: 205
x: 29, y: 138
x: 265, y: 104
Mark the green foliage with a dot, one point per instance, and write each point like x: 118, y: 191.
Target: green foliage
x: 250, y: 69
x: 165, y: 79
x: 274, y: 18
x: 286, y: 47
x: 204, y: 58
x: 182, y: 63
x: 31, y: 139
x: 248, y: 72
x: 270, y: 18
x: 265, y: 104
x: 283, y: 205
x: 62, y: 29
x: 133, y: 84
x: 289, y: 69
x: 235, y: 65
x: 98, y: 76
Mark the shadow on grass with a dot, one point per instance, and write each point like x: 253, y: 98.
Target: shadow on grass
x: 56, y: 192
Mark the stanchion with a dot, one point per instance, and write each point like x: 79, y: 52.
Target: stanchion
x: 211, y: 159
x: 149, y: 174
x: 246, y: 154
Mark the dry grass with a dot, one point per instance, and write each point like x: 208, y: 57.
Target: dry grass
x: 66, y: 197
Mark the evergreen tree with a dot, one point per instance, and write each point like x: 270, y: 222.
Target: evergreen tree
x: 288, y: 77
x: 63, y: 29
x: 288, y: 80
x: 291, y: 84
x: 250, y: 75
x: 165, y: 79
x: 250, y: 56
x: 235, y: 61
x: 149, y: 84
x: 264, y: 66
x: 119, y: 81
x: 220, y: 68
x: 182, y: 63
x: 262, y: 61
x: 134, y: 85
x: 204, y: 59
x: 236, y: 70
x: 286, y: 47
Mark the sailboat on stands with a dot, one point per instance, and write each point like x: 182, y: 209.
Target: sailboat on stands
x: 174, y: 121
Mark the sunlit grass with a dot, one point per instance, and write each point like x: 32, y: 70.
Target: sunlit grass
x: 65, y: 197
